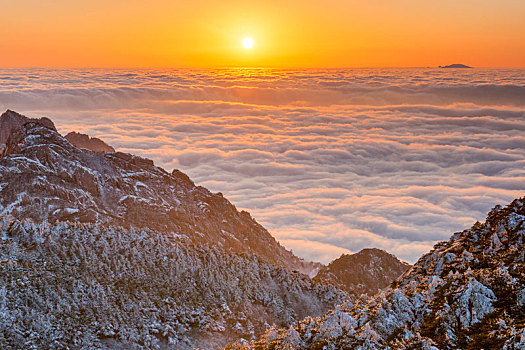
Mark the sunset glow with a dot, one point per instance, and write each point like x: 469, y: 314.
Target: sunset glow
x: 262, y: 175
x: 205, y: 33
x: 247, y: 43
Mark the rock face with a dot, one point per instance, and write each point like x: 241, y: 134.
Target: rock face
x: 368, y: 271
x: 91, y: 143
x: 45, y: 178
x: 467, y: 293
x: 10, y: 121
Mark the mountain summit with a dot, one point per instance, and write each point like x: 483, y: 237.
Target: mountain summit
x: 10, y: 121
x: 368, y: 271
x: 105, y: 250
x: 455, y: 65
x: 102, y: 249
x: 45, y: 178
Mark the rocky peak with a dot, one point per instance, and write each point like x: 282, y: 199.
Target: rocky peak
x: 10, y: 121
x: 45, y: 178
x: 91, y: 143
x: 367, y: 271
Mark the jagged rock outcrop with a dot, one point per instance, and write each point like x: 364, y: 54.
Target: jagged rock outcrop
x: 83, y: 286
x: 106, y: 250
x: 368, y: 271
x: 10, y: 121
x: 43, y: 177
x: 91, y: 143
x: 467, y: 293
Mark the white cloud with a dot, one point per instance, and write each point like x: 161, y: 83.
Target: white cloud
x: 328, y: 161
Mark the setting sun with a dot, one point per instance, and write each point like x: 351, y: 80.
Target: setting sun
x: 247, y: 43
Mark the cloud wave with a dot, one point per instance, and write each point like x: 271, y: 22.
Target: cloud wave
x: 329, y: 161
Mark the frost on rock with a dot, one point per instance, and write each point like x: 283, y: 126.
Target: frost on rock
x: 335, y: 323
x: 517, y: 342
x: 521, y: 297
x: 465, y: 293
x: 89, y: 286
x: 472, y: 303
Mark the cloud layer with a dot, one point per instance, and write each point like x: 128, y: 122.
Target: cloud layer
x: 329, y: 161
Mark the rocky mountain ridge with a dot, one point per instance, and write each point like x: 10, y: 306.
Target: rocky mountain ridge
x: 367, y: 271
x: 106, y: 250
x: 45, y: 178
x: 467, y: 293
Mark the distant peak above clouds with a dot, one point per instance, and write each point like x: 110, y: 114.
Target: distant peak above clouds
x: 455, y: 65
x: 368, y: 271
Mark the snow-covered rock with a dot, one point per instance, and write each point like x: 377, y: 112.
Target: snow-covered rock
x: 89, y: 286
x: 466, y: 293
x: 45, y: 178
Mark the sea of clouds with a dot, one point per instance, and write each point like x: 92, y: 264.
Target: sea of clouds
x: 330, y: 161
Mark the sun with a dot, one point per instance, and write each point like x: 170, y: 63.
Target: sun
x: 247, y: 43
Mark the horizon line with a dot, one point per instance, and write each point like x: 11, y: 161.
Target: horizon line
x: 254, y: 67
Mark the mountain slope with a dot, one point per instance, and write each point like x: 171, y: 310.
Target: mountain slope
x: 87, y: 286
x: 43, y: 177
x: 467, y: 293
x: 368, y: 271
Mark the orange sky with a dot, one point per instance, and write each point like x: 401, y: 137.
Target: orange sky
x: 294, y: 33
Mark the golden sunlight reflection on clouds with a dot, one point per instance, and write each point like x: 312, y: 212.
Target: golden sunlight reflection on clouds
x: 335, y: 160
